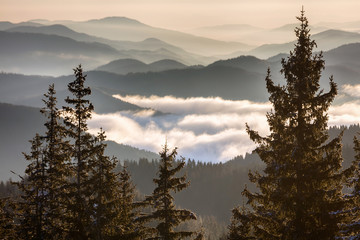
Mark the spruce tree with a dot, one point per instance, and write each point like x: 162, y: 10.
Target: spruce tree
x: 76, y: 116
x: 240, y: 227
x: 42, y: 206
x: 105, y: 190
x: 351, y: 228
x: 165, y: 212
x: 58, y: 165
x: 129, y: 226
x: 300, y: 190
x: 7, y: 219
x: 32, y: 207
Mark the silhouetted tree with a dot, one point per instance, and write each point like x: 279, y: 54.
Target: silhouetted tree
x: 82, y: 151
x: 105, y: 190
x: 240, y: 227
x: 351, y: 228
x: 7, y: 222
x: 42, y: 208
x: 129, y: 226
x: 58, y: 170
x: 165, y: 213
x: 34, y: 198
x: 300, y: 190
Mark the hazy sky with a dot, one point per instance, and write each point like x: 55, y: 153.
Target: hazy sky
x: 184, y: 14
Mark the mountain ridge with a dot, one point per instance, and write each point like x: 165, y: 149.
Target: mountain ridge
x: 125, y: 66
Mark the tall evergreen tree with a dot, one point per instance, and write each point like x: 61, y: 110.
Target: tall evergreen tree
x: 58, y: 165
x: 105, y: 188
x: 300, y: 190
x: 166, y: 214
x: 42, y: 188
x: 82, y: 151
x: 32, y: 207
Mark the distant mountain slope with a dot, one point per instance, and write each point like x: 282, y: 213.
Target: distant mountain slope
x: 16, y: 43
x: 19, y: 124
x: 28, y: 90
x: 59, y: 30
x: 325, y: 41
x: 166, y: 64
x: 4, y: 25
x: 223, y: 81
x: 148, y: 50
x: 32, y: 53
x: 120, y: 28
x: 347, y: 55
x: 252, y: 35
x: 249, y: 63
x: 125, y: 66
x: 238, y: 78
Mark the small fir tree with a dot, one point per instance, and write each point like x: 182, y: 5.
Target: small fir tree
x: 129, y: 225
x: 165, y: 213
x: 240, y: 227
x: 7, y: 219
x: 351, y: 228
x: 300, y: 190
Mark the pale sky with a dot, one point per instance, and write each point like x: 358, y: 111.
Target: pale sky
x: 184, y: 14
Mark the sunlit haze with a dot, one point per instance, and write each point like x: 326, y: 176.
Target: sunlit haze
x: 184, y: 14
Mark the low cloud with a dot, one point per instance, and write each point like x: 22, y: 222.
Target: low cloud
x: 195, y: 105
x: 351, y: 90
x: 206, y: 129
x: 344, y: 114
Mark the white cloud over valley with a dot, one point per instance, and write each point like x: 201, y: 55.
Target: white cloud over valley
x: 206, y: 129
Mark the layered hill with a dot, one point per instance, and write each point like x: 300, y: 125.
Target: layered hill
x: 125, y: 29
x: 125, y: 66
x: 325, y: 41
x: 43, y: 54
x: 148, y: 50
x: 237, y: 79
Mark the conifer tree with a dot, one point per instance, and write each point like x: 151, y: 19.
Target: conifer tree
x: 165, y: 212
x: 129, y: 226
x: 300, y: 190
x: 105, y: 188
x: 32, y: 208
x: 58, y: 170
x: 82, y: 151
x: 42, y: 206
x: 351, y: 228
x: 240, y: 227
x: 7, y: 219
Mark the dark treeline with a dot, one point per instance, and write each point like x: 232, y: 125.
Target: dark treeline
x: 301, y: 182
x: 219, y: 185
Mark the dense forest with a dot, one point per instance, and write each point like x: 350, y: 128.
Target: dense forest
x: 301, y: 182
